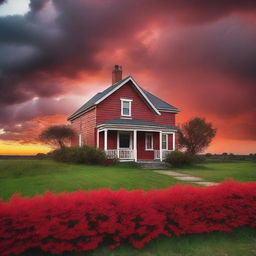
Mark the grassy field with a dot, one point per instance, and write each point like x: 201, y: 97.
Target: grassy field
x: 240, y: 171
x: 30, y: 177
x: 241, y: 242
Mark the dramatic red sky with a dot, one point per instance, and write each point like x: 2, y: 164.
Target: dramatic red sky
x: 198, y: 55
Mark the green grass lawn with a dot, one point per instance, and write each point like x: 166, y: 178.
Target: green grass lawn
x: 241, y: 242
x: 30, y: 177
x: 240, y: 171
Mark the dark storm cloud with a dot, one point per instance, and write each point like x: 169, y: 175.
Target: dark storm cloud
x: 228, y: 45
x: 37, y: 5
x: 22, y: 122
x: 200, y: 11
x: 215, y: 64
x: 35, y: 108
x: 82, y: 29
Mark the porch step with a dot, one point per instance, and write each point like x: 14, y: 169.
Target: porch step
x: 153, y: 165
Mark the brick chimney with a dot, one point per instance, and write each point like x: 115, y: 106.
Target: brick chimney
x: 116, y: 74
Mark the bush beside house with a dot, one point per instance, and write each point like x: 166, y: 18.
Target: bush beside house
x: 179, y: 159
x: 82, y: 221
x: 79, y: 155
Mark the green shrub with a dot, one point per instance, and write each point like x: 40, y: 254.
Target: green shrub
x: 79, y: 155
x: 179, y: 159
x: 41, y: 156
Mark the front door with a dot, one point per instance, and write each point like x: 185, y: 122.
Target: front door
x: 125, y: 145
x: 124, y: 140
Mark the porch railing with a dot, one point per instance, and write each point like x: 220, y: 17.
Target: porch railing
x: 120, y: 153
x: 129, y: 153
x: 157, y: 153
x: 111, y: 153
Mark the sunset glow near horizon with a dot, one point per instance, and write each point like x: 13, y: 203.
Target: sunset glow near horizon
x: 56, y: 54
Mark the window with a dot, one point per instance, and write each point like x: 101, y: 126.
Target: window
x: 126, y: 107
x: 124, y: 140
x: 165, y: 141
x: 149, y: 142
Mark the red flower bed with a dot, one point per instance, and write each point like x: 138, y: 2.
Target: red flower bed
x: 81, y: 221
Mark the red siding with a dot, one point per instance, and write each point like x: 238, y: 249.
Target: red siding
x: 101, y: 140
x: 85, y: 125
x: 170, y: 138
x: 156, y: 140
x: 165, y: 118
x: 110, y: 108
x: 143, y: 154
x: 112, y: 140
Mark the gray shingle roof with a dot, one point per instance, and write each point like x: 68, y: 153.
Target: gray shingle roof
x: 137, y: 122
x: 158, y: 103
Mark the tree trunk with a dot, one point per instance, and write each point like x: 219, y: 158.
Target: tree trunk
x: 61, y: 144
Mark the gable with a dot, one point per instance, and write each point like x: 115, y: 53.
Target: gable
x: 136, y: 86
x: 110, y: 107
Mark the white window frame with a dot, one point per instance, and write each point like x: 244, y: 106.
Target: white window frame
x: 146, y: 144
x: 130, y: 107
x: 166, y: 135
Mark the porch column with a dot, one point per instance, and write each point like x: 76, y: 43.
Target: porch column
x: 98, y: 139
x: 160, y: 146
x: 105, y: 139
x: 173, y: 141
x: 117, y: 144
x: 135, y: 144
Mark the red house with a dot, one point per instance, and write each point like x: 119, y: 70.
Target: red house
x: 126, y: 121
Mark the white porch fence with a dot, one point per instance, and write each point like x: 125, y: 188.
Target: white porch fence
x: 164, y: 153
x: 120, y: 153
x: 129, y: 153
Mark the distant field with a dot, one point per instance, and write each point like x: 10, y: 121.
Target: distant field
x: 30, y: 177
x: 240, y: 171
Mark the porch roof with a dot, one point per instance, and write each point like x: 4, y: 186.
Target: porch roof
x: 118, y: 122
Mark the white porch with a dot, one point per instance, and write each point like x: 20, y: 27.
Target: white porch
x: 128, y: 144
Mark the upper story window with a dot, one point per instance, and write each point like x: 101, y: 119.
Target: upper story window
x: 126, y: 107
